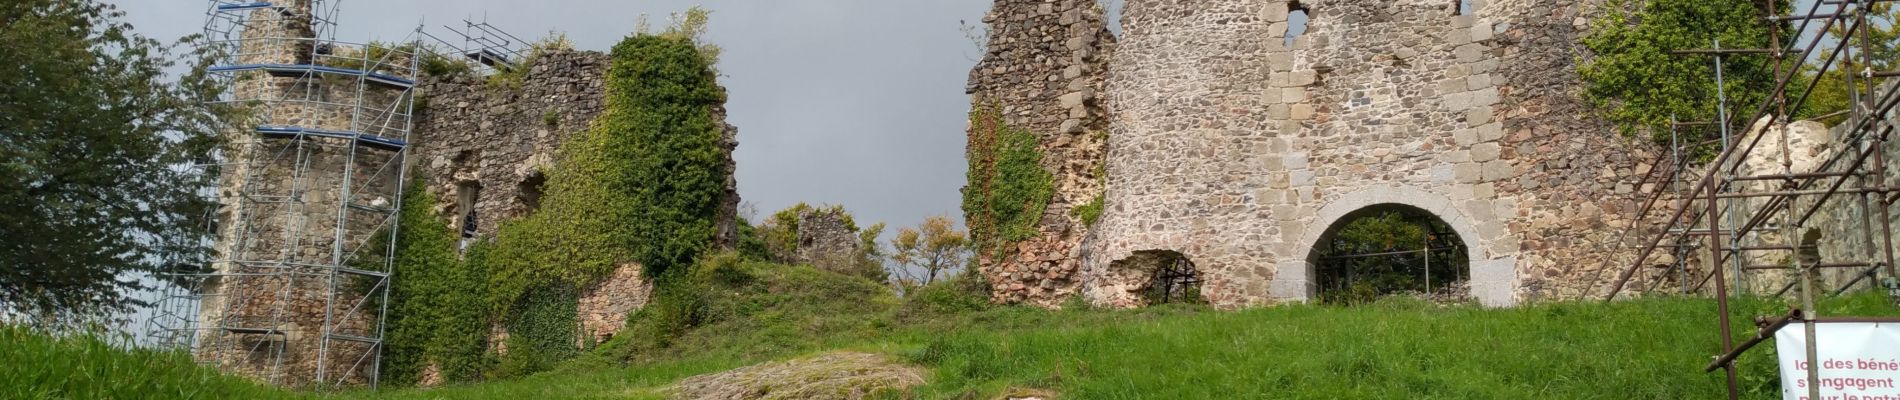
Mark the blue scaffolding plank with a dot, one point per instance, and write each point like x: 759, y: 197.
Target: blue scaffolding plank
x: 305, y: 69
x: 366, y: 140
x: 243, y: 6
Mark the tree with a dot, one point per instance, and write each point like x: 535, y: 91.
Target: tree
x: 1634, y: 80
x: 96, y: 149
x: 933, y: 248
x: 1386, y: 253
x: 1831, y: 92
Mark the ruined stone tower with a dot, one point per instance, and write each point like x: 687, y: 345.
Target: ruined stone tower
x: 1238, y: 148
x: 1044, y: 71
x: 308, y: 192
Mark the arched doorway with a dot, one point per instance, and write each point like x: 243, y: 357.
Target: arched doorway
x: 1492, y: 274
x: 1390, y: 249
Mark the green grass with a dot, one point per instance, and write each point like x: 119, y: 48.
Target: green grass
x: 754, y: 312
x: 38, y: 366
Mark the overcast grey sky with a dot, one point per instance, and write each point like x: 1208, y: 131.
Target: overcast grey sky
x: 852, y: 102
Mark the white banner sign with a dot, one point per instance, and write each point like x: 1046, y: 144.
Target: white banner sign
x: 1858, y: 361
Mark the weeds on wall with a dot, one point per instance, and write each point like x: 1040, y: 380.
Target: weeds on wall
x: 1091, y: 212
x: 511, y: 78
x: 1008, y: 189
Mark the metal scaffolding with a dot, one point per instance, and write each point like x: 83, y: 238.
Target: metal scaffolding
x: 309, y: 192
x: 490, y: 48
x: 1730, y: 216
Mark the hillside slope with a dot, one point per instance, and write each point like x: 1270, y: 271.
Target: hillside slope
x: 756, y: 312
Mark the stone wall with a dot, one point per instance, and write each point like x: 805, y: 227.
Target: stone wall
x: 1241, y: 150
x: 485, y: 149
x: 1848, y: 228
x: 1044, y: 70
x: 828, y: 241
x: 604, y: 307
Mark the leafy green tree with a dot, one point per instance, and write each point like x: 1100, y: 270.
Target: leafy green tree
x: 1635, y: 82
x: 1882, y: 49
x: 96, y: 144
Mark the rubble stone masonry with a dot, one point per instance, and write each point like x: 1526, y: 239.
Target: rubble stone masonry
x: 1240, y: 149
x: 1044, y: 70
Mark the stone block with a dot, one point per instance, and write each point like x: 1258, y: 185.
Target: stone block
x: 1274, y: 13
x: 1491, y: 281
x: 1484, y: 97
x: 1464, y: 137
x: 1481, y: 32
x: 1454, y: 85
x: 1290, y: 286
x: 1469, y: 52
x: 1443, y: 173
x: 1484, y: 152
x: 1300, y: 177
x: 1072, y: 100
x: 1457, y: 156
x: 1302, y: 112
x: 1478, y: 116
x: 1479, y: 81
x: 1490, y: 132
x: 1457, y: 101
x: 1296, y: 160
x: 1293, y: 95
x: 1279, y: 111
x: 1497, y: 170
x: 1468, y: 172
x: 1280, y: 62
x: 1302, y: 78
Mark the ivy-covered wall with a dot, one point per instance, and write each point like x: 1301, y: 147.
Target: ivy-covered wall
x: 1037, y: 93
x: 645, y: 184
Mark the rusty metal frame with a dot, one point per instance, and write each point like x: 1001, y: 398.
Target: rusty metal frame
x: 1801, y: 194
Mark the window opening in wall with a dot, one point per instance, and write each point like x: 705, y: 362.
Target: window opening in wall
x: 1391, y: 250
x: 1810, y: 250
x: 1464, y: 7
x: 1174, y: 281
x: 1297, y: 17
x: 529, y: 191
x: 467, y: 195
x: 1112, y: 15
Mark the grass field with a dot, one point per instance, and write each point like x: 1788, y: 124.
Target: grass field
x: 1640, y: 349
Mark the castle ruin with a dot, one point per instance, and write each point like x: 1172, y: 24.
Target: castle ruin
x: 1239, y: 143
x: 312, y: 182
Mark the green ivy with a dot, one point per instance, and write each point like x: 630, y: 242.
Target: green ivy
x: 435, y: 313
x: 1008, y: 189
x: 1636, y: 83
x: 542, y: 330
x: 642, y: 186
x: 1091, y: 212
x: 661, y: 91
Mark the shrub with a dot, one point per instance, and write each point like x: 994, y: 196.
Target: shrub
x: 962, y: 293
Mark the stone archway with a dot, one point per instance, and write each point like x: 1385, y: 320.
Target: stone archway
x: 1492, y: 277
